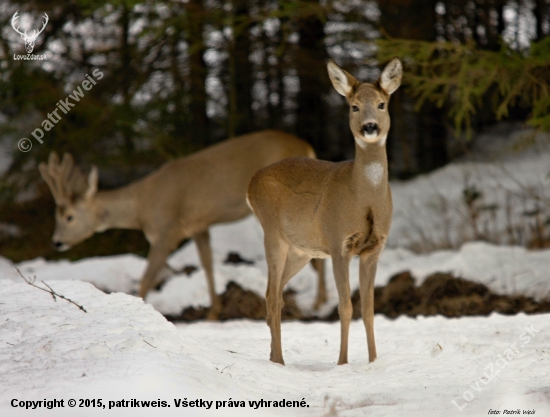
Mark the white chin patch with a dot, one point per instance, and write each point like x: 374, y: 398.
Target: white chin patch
x: 63, y: 248
x: 373, y: 138
x: 374, y: 173
x: 370, y: 137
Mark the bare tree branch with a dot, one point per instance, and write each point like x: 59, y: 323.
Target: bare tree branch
x: 50, y: 291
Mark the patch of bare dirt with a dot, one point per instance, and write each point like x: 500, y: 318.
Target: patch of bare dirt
x: 440, y: 293
x: 235, y: 258
x: 238, y: 303
x: 444, y: 294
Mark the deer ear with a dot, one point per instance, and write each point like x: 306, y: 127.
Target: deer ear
x: 92, y: 183
x: 342, y: 80
x: 390, y: 79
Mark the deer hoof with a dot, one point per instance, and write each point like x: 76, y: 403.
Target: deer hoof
x: 280, y: 362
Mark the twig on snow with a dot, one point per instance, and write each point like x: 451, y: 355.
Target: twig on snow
x: 50, y: 291
x: 146, y: 341
x: 149, y: 343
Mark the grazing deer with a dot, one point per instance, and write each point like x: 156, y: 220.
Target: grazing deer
x: 318, y: 209
x: 180, y: 200
x: 29, y: 39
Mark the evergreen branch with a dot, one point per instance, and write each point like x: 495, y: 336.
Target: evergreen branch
x: 466, y: 78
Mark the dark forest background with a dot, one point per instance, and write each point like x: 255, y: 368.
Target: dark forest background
x: 182, y: 75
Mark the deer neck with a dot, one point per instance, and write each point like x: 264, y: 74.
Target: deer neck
x: 370, y: 167
x: 116, y: 209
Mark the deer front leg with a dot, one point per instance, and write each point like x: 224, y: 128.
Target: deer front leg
x: 319, y: 266
x: 367, y: 273
x: 156, y: 260
x: 202, y: 240
x: 340, y: 267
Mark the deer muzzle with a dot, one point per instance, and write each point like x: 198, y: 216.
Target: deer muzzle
x: 370, y: 128
x: 60, y: 246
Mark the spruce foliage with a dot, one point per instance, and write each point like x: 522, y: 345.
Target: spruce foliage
x: 467, y: 80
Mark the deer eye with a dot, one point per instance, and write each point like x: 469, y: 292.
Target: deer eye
x: 354, y: 108
x: 69, y: 218
x: 381, y: 106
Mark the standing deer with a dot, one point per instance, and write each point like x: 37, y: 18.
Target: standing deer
x: 180, y: 200
x: 29, y: 39
x: 318, y: 209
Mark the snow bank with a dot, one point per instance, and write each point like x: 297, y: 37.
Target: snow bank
x: 123, y: 349
x: 511, y: 174
x: 504, y: 269
x: 120, y: 349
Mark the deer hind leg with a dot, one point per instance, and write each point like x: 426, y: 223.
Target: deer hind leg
x: 319, y: 266
x: 276, y: 250
x: 345, y: 308
x: 367, y: 273
x: 202, y: 240
x: 293, y: 263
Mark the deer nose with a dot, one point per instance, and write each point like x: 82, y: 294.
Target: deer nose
x: 57, y: 244
x: 370, y: 128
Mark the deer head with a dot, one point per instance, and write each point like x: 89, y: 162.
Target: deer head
x: 369, y: 119
x: 29, y: 39
x: 75, y: 217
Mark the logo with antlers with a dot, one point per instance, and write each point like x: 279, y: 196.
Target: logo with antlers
x: 29, y: 39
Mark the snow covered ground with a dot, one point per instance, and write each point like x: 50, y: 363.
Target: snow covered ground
x: 122, y: 349
x: 504, y: 269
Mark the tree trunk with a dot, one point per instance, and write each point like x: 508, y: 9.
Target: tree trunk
x: 198, y: 120
x: 310, y: 63
x: 240, y: 101
x: 540, y: 8
x: 125, y: 82
x: 416, y: 141
x: 180, y: 136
